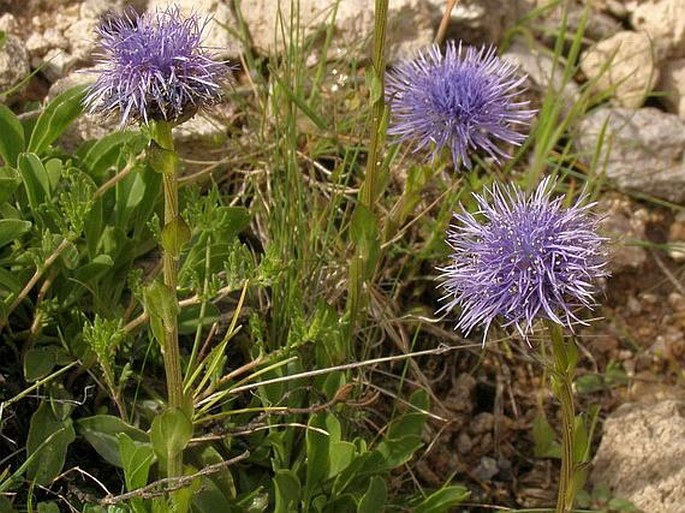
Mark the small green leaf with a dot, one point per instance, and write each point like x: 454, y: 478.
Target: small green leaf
x: 365, y: 235
x: 162, y: 160
x: 374, y: 84
x: 442, y: 500
x: 12, y: 140
x: 102, y: 432
x: 136, y: 459
x: 162, y: 307
x: 170, y: 433
x: 11, y: 229
x: 35, y: 178
x: 102, y: 155
x: 48, y: 507
x: 287, y: 491
x: 545, y: 445
x: 174, y: 235
x: 39, y: 361
x: 9, y: 182
x: 50, y: 460
x: 374, y: 497
x: 55, y: 118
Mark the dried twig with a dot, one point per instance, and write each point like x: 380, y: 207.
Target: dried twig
x: 170, y: 484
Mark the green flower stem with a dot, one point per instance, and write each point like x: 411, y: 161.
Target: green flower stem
x: 372, y: 180
x: 564, y: 370
x: 164, y: 160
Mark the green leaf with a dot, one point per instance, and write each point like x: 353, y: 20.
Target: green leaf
x: 103, y: 154
x: 174, y: 235
x: 9, y: 182
x: 287, y: 491
x: 56, y: 117
x: 39, y: 361
x: 365, y: 235
x: 317, y: 447
x: 162, y: 306
x: 170, y: 433
x: 50, y: 461
x: 545, y: 445
x: 12, y: 140
x: 11, y: 229
x: 48, y: 507
x: 374, y: 498
x: 136, y: 459
x: 442, y: 500
x: 102, y: 432
x: 35, y: 178
x: 233, y: 220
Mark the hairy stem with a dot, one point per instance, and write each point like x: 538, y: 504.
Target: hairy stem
x: 161, y: 135
x: 564, y: 369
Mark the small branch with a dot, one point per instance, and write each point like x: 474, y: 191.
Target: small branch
x: 170, y: 484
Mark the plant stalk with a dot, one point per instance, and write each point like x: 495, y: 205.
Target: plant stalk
x: 564, y: 370
x: 161, y: 135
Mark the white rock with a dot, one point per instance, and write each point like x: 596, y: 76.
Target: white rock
x: 672, y: 83
x: 641, y: 455
x: 14, y: 63
x: 411, y: 24
x: 625, y: 62
x: 8, y: 23
x: 642, y: 150
x: 664, y: 22
x: 217, y: 36
x: 622, y: 223
x: 481, y: 21
x: 534, y: 60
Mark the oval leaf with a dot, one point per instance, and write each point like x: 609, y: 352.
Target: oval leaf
x: 56, y: 117
x: 12, y: 140
x: 11, y: 229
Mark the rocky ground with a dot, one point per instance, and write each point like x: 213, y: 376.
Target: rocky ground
x: 633, y: 363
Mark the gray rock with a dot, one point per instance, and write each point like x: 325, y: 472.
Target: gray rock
x: 624, y: 224
x: 624, y: 62
x: 482, y: 21
x: 643, y: 150
x: 14, y: 63
x: 641, y: 455
x: 672, y: 84
x: 535, y: 61
x: 664, y: 22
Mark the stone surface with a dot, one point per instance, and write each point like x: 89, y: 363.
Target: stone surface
x: 14, y: 63
x: 624, y: 62
x: 624, y: 224
x: 411, y: 24
x: 672, y: 84
x: 642, y: 150
x: 534, y: 60
x: 676, y: 240
x: 481, y: 21
x: 641, y: 455
x: 664, y: 22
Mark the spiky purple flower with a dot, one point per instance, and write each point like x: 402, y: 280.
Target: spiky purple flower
x: 523, y: 257
x: 463, y: 100
x: 153, y: 67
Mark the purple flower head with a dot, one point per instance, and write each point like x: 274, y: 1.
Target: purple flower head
x: 523, y: 257
x: 152, y: 67
x: 462, y: 100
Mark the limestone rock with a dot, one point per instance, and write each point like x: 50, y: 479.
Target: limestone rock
x: 14, y: 63
x: 623, y: 223
x: 624, y: 62
x: 641, y: 455
x: 664, y: 22
x: 673, y: 85
x: 643, y: 150
x: 411, y: 24
x: 481, y: 21
x: 535, y: 62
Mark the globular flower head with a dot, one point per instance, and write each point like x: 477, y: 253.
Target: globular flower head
x: 523, y: 257
x: 463, y: 100
x: 153, y: 67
